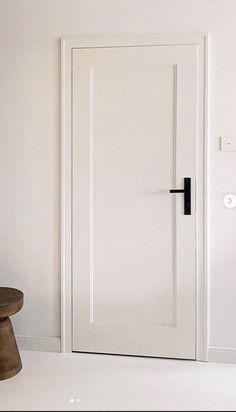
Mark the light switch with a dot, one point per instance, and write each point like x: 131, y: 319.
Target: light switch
x: 228, y: 144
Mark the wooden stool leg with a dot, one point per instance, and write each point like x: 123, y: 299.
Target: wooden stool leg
x: 10, y: 361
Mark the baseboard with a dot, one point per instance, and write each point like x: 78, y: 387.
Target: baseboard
x: 222, y: 355
x: 53, y: 344
x: 41, y: 344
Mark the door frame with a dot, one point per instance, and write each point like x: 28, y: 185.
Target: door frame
x: 201, y: 41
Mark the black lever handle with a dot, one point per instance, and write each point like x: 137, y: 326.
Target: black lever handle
x: 187, y: 195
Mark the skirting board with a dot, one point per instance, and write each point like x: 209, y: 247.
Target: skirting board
x: 47, y: 344
x: 222, y: 355
x: 41, y: 344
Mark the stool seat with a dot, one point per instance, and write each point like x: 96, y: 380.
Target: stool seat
x: 11, y: 302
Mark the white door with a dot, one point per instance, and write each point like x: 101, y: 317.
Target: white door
x: 134, y: 139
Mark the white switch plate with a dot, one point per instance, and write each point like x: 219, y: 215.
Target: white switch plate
x: 228, y: 144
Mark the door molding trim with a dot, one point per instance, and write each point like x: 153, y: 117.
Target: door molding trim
x: 201, y: 41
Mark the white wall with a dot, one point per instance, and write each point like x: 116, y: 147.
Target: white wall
x: 30, y: 141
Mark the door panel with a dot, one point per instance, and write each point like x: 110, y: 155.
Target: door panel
x: 134, y: 132
x: 127, y: 183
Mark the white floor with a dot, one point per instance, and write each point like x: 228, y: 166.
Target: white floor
x: 76, y: 382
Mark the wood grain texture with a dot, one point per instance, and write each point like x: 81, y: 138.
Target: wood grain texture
x: 11, y: 301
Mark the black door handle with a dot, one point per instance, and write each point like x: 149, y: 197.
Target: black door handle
x: 187, y: 195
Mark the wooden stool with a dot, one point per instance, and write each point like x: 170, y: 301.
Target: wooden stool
x: 11, y: 301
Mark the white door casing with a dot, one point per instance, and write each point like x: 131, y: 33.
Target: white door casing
x: 135, y: 294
